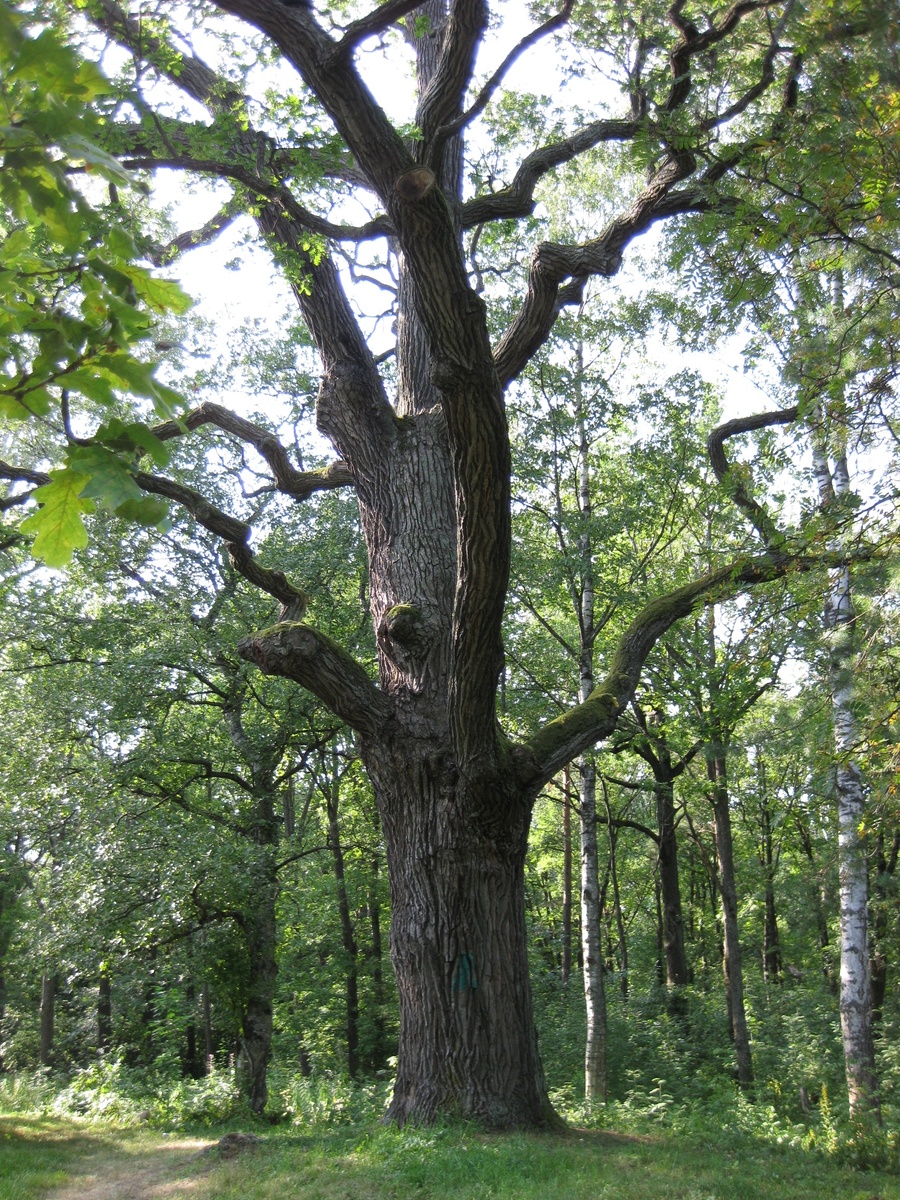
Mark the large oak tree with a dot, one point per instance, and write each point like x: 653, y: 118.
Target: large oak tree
x: 678, y: 103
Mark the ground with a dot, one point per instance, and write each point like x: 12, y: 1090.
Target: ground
x: 45, y: 1158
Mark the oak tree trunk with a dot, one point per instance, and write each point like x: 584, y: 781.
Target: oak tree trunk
x: 458, y: 945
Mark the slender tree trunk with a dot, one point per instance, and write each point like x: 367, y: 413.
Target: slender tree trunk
x: 670, y: 888
x: 379, y: 1051
x: 145, y: 1052
x: 104, y: 1011
x: 348, y: 933
x: 258, y: 920
x: 259, y: 928
x: 617, y: 905
x: 771, y: 945
x: 660, y: 961
x: 8, y: 896
x: 591, y: 943
x: 885, y: 866
x: 566, y: 961
x: 48, y: 1019
x: 655, y: 752
x: 208, y: 1047
x: 821, y: 910
x: 855, y: 988
x: 595, y: 1082
x: 731, y: 955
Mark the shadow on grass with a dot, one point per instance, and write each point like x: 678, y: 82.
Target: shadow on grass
x: 39, y: 1153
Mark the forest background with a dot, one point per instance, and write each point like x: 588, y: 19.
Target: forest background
x: 194, y: 879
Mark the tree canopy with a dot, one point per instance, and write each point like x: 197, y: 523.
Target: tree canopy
x: 445, y: 247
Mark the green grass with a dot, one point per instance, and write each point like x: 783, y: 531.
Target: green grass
x: 370, y: 1162
x: 38, y: 1153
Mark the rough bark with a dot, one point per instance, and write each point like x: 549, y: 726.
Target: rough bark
x: 458, y: 944
x: 432, y: 476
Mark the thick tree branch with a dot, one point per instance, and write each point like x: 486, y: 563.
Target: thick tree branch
x: 692, y: 42
x: 553, y: 263
x: 517, y: 200
x: 235, y: 535
x: 331, y: 74
x: 375, y: 22
x: 353, y: 409
x: 303, y: 654
x: 186, y: 71
x: 161, y: 255
x: 446, y: 89
x: 483, y: 98
x: 290, y: 481
x: 21, y: 474
x: 563, y: 739
x: 378, y: 227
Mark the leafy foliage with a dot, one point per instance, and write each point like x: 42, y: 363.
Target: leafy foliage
x: 76, y: 302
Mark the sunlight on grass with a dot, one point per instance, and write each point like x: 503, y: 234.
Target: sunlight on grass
x: 393, y: 1165
x: 370, y: 1162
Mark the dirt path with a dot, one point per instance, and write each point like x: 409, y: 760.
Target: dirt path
x: 168, y: 1171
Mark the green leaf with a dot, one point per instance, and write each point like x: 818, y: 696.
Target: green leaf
x: 134, y: 436
x: 160, y: 295
x: 147, y: 510
x: 57, y: 525
x: 79, y: 149
x: 93, y: 386
x: 107, y: 478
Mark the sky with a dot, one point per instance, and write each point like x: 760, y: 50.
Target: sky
x: 233, y: 280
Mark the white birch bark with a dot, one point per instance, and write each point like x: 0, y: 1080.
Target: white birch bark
x: 591, y: 945
x: 833, y: 479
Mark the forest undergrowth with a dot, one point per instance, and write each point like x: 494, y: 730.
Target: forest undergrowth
x: 674, y: 1125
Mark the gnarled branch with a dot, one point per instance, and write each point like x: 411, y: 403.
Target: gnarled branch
x: 759, y: 516
x: 517, y: 200
x: 553, y: 263
x: 378, y: 227
x: 290, y: 481
x: 483, y: 98
x: 563, y: 739
x: 308, y: 657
